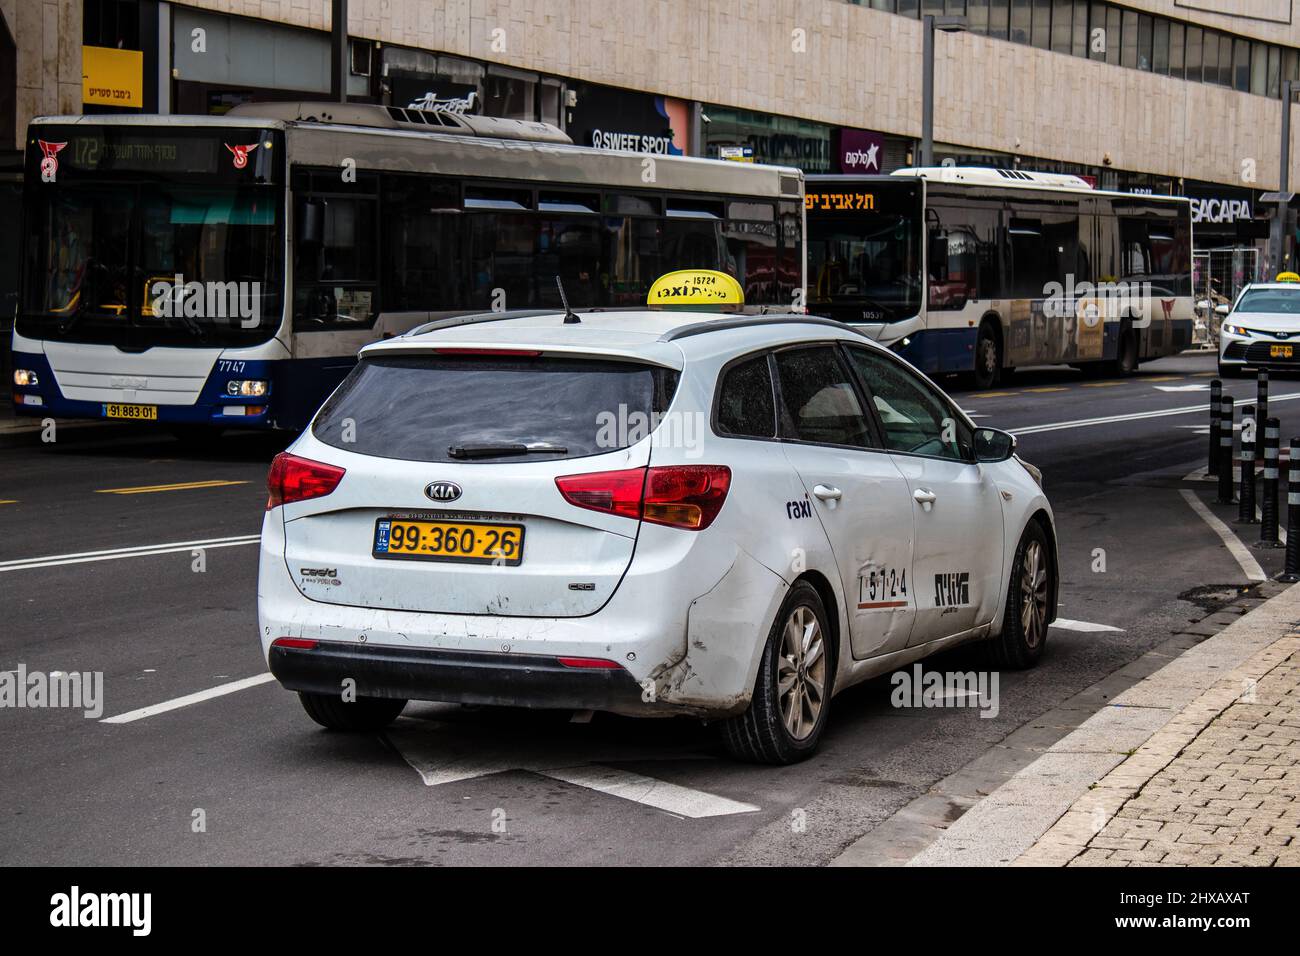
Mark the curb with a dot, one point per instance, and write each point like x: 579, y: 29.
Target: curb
x: 1071, y: 834
x: 1011, y: 819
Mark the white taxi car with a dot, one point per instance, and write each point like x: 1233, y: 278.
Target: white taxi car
x: 1262, y: 329
x: 646, y: 513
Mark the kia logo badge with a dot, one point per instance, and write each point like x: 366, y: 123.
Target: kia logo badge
x: 442, y: 490
x: 1283, y: 335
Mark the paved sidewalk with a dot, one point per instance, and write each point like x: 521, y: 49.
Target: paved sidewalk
x: 1217, y: 785
x: 1135, y: 759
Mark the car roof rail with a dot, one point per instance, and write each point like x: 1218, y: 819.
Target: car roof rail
x: 751, y: 321
x: 474, y: 318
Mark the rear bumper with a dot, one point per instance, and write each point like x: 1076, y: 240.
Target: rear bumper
x: 517, y: 680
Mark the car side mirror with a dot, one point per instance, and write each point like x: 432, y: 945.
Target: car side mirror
x: 993, y: 444
x: 1222, y: 309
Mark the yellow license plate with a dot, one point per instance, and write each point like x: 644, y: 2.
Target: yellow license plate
x: 470, y: 542
x: 1280, y: 351
x: 139, y: 412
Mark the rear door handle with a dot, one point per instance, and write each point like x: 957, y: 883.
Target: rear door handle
x: 924, y: 498
x: 827, y: 492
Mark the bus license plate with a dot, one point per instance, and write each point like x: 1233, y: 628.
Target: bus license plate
x: 469, y: 542
x: 137, y: 412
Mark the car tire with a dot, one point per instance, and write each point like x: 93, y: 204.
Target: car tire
x: 365, y: 713
x: 774, y: 730
x: 988, y: 357
x: 1029, y: 596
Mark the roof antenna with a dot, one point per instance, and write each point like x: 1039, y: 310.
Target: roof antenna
x: 569, y: 316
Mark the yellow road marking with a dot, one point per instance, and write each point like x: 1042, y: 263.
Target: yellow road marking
x: 1164, y: 378
x: 1204, y: 374
x: 1049, y: 388
x: 1098, y: 384
x: 9, y: 501
x: 991, y: 395
x: 180, y: 486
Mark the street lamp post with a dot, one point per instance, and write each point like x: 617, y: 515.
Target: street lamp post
x: 1277, y: 237
x: 929, y: 24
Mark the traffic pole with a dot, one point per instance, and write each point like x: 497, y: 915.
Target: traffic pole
x: 1216, y: 394
x: 1246, y: 498
x: 1291, y: 574
x: 1225, y: 451
x: 1261, y: 399
x: 1268, y: 507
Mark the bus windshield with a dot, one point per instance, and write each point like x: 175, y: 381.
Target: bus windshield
x: 122, y: 257
x: 864, y: 250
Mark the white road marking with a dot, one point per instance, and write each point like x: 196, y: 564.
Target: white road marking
x: 1238, y: 550
x: 113, y: 554
x: 1134, y: 416
x: 1086, y: 626
x: 437, y: 763
x: 1181, y: 388
x: 219, y: 691
x: 669, y: 797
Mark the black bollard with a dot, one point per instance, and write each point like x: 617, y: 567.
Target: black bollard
x: 1216, y: 393
x: 1225, y: 450
x: 1268, y: 506
x: 1246, y: 497
x: 1261, y: 399
x: 1292, y: 572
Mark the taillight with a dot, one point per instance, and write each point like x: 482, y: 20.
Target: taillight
x: 298, y: 643
x: 681, y: 496
x: 589, y: 663
x: 298, y: 479
x: 614, y: 492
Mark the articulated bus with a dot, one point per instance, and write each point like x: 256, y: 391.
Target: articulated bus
x: 201, y: 271
x: 978, y: 271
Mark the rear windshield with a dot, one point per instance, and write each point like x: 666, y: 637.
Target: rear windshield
x: 1280, y: 301
x: 490, y: 408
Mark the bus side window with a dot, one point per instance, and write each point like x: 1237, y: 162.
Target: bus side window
x: 335, y: 261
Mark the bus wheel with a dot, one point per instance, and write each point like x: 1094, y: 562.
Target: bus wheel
x: 988, y: 357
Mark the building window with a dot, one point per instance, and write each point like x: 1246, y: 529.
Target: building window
x: 1225, y: 59
x: 1042, y: 32
x: 1144, y: 42
x: 909, y: 8
x: 999, y: 12
x: 977, y: 15
x: 1160, y: 48
x: 111, y: 23
x: 1129, y: 57
x: 1241, y: 64
x: 1113, y: 35
x: 1021, y: 16
x: 1062, y: 24
x: 1210, y: 57
x: 1177, y: 40
x: 1079, y: 38
x: 1195, y: 53
x: 1274, y: 72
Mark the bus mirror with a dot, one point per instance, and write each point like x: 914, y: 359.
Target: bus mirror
x: 1222, y: 309
x: 939, y: 257
x: 311, y: 222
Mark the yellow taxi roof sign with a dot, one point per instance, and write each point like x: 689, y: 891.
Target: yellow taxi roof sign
x: 1287, y: 277
x: 695, y: 289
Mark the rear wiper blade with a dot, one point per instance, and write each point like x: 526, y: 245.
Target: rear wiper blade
x: 505, y: 448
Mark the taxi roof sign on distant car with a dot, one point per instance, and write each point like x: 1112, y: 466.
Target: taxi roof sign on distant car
x: 695, y: 289
x: 1287, y: 277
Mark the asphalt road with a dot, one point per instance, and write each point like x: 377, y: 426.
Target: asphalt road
x: 452, y: 785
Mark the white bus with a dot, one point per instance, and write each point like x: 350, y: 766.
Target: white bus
x: 201, y: 271
x: 978, y: 271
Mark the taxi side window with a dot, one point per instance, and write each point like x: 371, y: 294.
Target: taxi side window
x: 818, y: 401
x: 745, y: 406
x: 915, y: 417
